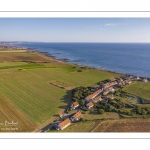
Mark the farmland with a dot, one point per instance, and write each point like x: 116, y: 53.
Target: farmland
x: 124, y: 125
x: 25, y: 79
x: 35, y: 88
x: 9, y: 113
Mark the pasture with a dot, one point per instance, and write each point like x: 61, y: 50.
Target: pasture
x: 140, y: 89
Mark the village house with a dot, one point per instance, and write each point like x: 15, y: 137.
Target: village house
x: 127, y: 82
x: 114, y: 83
x: 110, y: 96
x: 111, y: 89
x: 97, y: 99
x: 106, y: 85
x: 119, y: 79
x: 74, y: 105
x: 91, y: 96
x: 113, y: 79
x: 144, y: 79
x: 106, y: 92
x: 109, y: 84
x: 120, y: 84
x: 76, y: 116
x: 136, y: 78
x: 89, y: 105
x: 62, y: 125
x: 127, y: 76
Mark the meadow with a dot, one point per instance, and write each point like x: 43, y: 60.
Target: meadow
x: 140, y: 89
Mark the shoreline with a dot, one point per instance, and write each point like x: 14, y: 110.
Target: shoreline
x: 66, y: 61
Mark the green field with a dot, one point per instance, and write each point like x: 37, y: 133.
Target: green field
x: 140, y: 89
x: 29, y: 88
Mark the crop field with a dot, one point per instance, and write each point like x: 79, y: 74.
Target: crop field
x: 124, y: 125
x: 30, y: 89
x: 140, y: 89
x: 9, y: 114
x: 27, y: 84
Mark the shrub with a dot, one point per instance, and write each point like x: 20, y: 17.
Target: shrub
x: 101, y: 111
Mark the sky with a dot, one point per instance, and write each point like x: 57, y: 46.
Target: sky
x: 75, y: 29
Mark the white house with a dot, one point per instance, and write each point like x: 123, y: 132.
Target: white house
x: 62, y: 125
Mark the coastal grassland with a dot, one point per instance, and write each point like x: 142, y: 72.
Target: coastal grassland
x: 140, y: 89
x: 26, y: 56
x: 9, y: 113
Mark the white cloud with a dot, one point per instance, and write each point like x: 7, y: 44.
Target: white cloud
x: 110, y: 24
x: 114, y: 24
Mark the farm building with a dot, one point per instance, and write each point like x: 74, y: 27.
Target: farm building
x: 74, y: 105
x: 91, y: 96
x: 97, y: 99
x: 62, y: 125
x: 89, y: 105
x: 76, y: 116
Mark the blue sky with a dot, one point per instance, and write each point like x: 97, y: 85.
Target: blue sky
x: 75, y: 29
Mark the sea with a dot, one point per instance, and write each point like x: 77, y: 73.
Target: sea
x: 126, y: 58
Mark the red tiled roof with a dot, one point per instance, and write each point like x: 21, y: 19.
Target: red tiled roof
x: 111, y: 96
x: 112, y: 79
x: 78, y: 115
x: 94, y: 94
x: 90, y: 104
x: 64, y: 123
x: 96, y: 98
x: 60, y: 114
x: 75, y: 104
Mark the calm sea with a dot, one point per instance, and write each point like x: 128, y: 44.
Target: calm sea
x: 125, y: 58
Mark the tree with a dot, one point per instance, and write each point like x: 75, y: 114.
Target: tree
x: 144, y: 112
x: 101, y: 111
x: 139, y: 111
x: 82, y: 102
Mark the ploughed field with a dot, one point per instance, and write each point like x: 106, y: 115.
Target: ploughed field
x: 124, y: 125
x: 25, y: 82
x: 12, y: 120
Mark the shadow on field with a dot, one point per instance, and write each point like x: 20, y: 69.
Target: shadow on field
x: 62, y: 107
x: 48, y: 127
x: 65, y: 98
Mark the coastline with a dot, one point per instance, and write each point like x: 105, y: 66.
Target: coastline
x: 66, y: 61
